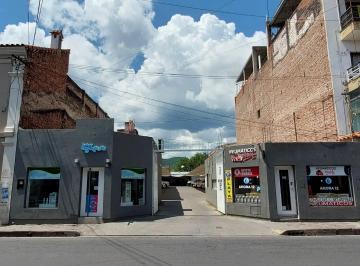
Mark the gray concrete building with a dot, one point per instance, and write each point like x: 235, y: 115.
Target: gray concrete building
x: 67, y: 175
x: 276, y: 181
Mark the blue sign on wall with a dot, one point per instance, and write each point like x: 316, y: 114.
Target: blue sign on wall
x: 89, y: 147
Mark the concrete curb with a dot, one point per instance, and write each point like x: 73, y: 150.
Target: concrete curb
x: 320, y: 232
x: 39, y: 234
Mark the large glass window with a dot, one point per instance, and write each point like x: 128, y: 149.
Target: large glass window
x: 132, y: 187
x: 329, y: 186
x: 246, y: 182
x: 43, y: 188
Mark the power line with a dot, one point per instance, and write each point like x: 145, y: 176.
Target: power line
x: 222, y: 11
x: 37, y: 18
x: 203, y: 111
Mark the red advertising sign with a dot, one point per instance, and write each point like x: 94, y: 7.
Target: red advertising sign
x: 246, y: 172
x: 243, y: 155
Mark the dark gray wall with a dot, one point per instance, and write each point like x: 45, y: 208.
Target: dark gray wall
x: 300, y: 155
x: 249, y: 209
x: 59, y: 148
x: 131, y: 152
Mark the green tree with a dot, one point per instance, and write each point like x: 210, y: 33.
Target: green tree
x: 189, y: 164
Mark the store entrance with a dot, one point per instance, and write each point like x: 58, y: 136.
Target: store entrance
x: 92, y: 192
x: 285, y: 191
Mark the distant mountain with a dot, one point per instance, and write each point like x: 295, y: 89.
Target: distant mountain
x: 171, y: 161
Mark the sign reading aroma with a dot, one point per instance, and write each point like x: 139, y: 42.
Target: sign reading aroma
x: 89, y: 147
x: 243, y: 155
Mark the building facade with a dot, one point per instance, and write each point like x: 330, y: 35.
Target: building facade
x: 68, y: 175
x: 58, y: 148
x: 282, y: 181
x: 302, y: 91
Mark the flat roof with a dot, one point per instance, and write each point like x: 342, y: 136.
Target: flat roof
x: 284, y: 11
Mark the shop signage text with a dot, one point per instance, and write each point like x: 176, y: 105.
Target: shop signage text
x: 246, y: 172
x: 327, y: 171
x: 228, y: 186
x: 89, y: 147
x: 243, y: 155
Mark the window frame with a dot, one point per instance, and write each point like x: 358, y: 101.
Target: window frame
x: 347, y: 173
x: 130, y: 179
x: 28, y: 186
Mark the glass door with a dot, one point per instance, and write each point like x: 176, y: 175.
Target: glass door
x: 285, y: 191
x: 92, y: 192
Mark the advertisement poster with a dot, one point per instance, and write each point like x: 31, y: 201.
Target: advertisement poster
x: 329, y: 186
x: 4, y: 195
x: 228, y: 186
x: 92, y: 203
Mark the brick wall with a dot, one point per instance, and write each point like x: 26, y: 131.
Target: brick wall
x: 50, y: 98
x: 293, y: 88
x: 56, y: 118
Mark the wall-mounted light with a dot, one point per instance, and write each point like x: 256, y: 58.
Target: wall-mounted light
x: 108, y: 162
x: 76, y: 161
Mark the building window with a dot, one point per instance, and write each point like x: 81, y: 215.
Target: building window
x: 43, y: 188
x: 258, y: 113
x: 329, y: 186
x: 355, y: 59
x: 133, y: 187
x: 246, y: 182
x: 355, y: 110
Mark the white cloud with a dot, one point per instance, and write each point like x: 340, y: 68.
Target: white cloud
x: 109, y: 33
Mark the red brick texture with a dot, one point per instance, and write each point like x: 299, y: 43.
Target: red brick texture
x: 50, y: 98
x: 293, y: 95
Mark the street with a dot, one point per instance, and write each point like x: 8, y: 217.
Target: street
x: 106, y: 251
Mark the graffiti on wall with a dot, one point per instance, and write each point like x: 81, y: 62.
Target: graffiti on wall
x: 294, y: 29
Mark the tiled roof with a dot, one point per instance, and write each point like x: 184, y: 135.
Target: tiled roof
x: 198, y: 171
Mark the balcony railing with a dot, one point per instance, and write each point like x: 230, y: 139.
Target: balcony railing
x: 351, y: 14
x: 353, y: 72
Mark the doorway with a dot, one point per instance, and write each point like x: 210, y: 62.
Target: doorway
x: 285, y: 191
x: 92, y: 192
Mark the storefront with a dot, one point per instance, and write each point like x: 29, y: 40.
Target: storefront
x: 303, y: 181
x: 90, y: 171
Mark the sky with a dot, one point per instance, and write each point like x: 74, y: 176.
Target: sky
x: 170, y: 65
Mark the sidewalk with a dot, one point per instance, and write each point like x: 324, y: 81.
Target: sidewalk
x: 185, y: 212
x: 186, y: 226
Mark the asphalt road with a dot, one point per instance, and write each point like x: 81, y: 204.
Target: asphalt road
x: 88, y: 251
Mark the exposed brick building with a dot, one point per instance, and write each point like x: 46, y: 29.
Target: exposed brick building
x: 51, y: 99
x: 293, y: 89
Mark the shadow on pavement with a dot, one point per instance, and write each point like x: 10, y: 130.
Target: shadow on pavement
x: 171, y: 203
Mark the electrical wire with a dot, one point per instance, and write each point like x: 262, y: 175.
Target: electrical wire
x: 37, y: 18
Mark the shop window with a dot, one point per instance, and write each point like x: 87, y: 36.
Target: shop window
x: 132, y: 187
x: 330, y: 186
x: 43, y: 188
x: 246, y: 182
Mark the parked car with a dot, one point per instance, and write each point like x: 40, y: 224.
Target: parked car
x: 165, y: 184
x: 190, y: 183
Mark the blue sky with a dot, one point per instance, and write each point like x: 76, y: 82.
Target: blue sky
x: 122, y: 35
x: 14, y: 11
